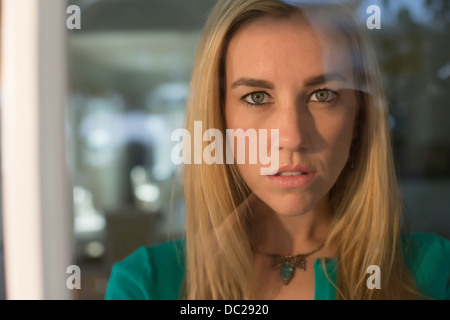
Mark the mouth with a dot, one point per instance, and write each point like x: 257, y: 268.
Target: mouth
x: 289, y: 177
x: 291, y: 173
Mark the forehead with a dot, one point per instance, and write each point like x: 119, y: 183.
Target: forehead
x: 287, y: 46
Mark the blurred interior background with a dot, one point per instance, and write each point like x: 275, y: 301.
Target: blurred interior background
x: 128, y: 73
x: 130, y: 68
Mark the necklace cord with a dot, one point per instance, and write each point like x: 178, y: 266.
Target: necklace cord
x: 281, y: 255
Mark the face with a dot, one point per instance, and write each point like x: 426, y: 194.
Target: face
x: 284, y: 74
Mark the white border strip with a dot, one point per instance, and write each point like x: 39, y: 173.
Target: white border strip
x: 37, y: 216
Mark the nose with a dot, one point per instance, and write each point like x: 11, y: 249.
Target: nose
x: 293, y: 125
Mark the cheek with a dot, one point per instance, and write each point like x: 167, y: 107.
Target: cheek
x: 228, y: 119
x: 238, y: 116
x: 232, y: 117
x: 338, y: 136
x: 340, y: 132
x: 234, y: 121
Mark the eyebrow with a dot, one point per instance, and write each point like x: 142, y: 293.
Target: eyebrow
x: 324, y: 78
x: 313, y: 81
x: 247, y: 82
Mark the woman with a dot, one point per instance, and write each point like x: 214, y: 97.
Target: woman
x: 327, y: 223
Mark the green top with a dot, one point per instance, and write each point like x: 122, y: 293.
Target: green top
x: 156, y: 273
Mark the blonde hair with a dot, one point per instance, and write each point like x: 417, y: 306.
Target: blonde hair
x: 365, y: 202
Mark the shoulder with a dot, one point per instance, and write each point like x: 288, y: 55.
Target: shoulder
x: 149, y: 273
x: 418, y: 246
x: 427, y: 255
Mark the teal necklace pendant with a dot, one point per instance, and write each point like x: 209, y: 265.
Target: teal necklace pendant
x: 287, y: 273
x: 288, y: 264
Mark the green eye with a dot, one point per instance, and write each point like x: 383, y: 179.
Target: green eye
x: 322, y: 95
x: 257, y: 97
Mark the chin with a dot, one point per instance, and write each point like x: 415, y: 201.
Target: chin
x: 290, y: 207
x: 290, y: 211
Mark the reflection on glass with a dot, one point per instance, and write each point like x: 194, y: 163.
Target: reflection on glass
x: 130, y: 68
x: 146, y: 191
x: 130, y: 72
x: 87, y: 218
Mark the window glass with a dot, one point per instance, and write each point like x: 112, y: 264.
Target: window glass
x: 130, y: 66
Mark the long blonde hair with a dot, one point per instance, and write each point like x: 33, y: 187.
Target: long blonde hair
x: 365, y: 202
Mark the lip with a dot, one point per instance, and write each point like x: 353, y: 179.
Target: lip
x: 298, y: 167
x: 300, y: 181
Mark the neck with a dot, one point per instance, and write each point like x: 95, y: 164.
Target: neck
x: 281, y: 234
